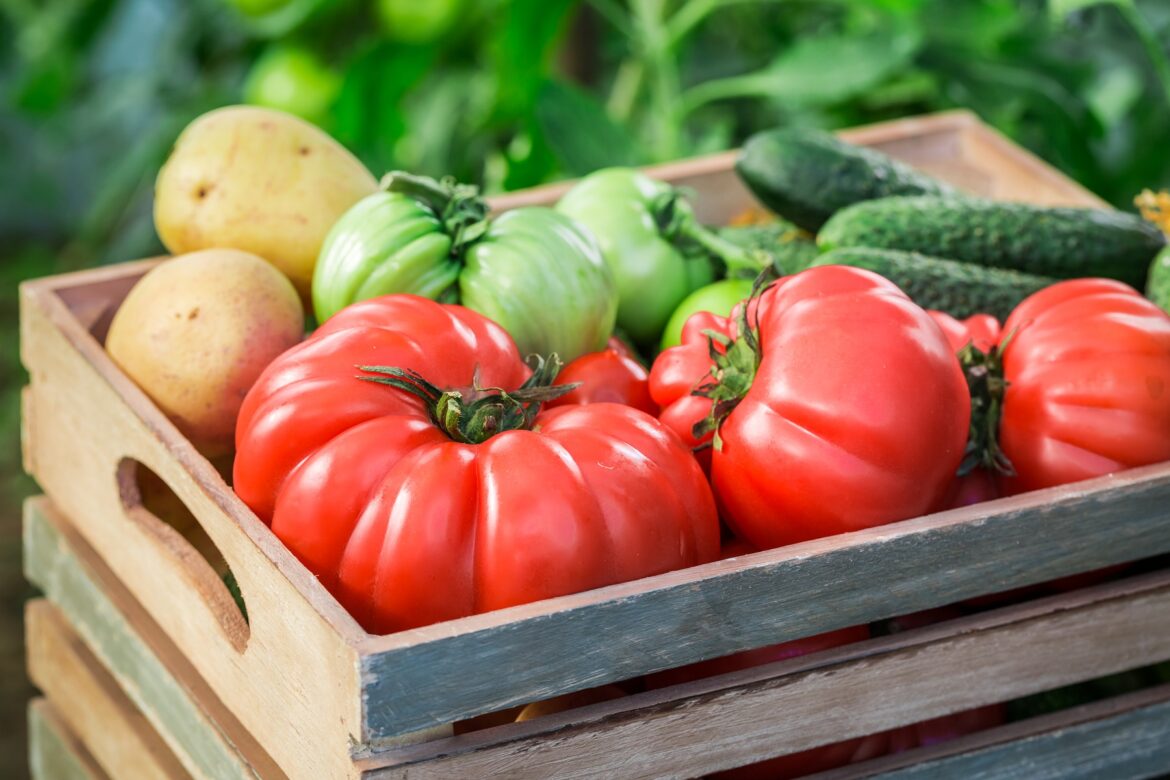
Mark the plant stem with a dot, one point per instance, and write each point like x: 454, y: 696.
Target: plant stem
x: 655, y: 51
x: 623, y: 96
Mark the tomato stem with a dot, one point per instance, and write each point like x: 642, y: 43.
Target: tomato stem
x: 734, y: 363
x: 677, y: 222
x: 987, y: 385
x: 473, y: 416
x: 459, y: 207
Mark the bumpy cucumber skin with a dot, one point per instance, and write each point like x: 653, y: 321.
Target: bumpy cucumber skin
x: 1158, y: 281
x: 790, y: 248
x: 1059, y: 242
x: 959, y: 289
x: 808, y: 175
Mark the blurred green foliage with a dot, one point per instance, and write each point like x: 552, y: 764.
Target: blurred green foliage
x: 511, y: 93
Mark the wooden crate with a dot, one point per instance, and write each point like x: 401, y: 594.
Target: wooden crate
x: 117, y: 680
x: 322, y: 698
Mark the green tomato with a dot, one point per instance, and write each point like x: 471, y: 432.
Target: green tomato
x: 417, y: 21
x: 295, y: 80
x: 718, y: 298
x: 649, y: 236
x: 533, y: 270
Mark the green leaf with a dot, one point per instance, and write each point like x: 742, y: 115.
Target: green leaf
x: 1061, y: 9
x: 820, y: 70
x: 579, y: 132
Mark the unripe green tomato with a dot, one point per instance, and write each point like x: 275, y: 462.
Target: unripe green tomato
x: 718, y: 298
x: 653, y: 275
x: 417, y: 21
x: 295, y: 80
x: 386, y: 243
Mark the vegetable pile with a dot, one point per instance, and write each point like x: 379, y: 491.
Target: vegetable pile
x: 834, y: 366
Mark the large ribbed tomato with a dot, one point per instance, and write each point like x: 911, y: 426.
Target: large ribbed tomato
x: 428, y: 493
x: 851, y: 410
x: 1087, y: 366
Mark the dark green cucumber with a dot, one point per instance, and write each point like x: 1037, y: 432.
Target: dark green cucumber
x: 808, y: 175
x: 791, y: 248
x: 959, y: 289
x: 1158, y: 281
x: 1058, y: 242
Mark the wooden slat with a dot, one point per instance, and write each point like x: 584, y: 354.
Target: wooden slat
x: 540, y: 650
x: 1122, y: 738
x: 208, y: 740
x: 90, y: 701
x: 54, y: 751
x: 793, y: 705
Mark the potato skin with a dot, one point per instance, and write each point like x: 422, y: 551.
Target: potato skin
x: 259, y: 180
x: 196, y: 331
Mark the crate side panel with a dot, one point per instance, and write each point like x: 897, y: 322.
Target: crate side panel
x: 534, y: 652
x: 733, y: 720
x: 88, y: 420
x: 55, y: 752
x: 1129, y: 746
x: 208, y: 742
x: 90, y: 701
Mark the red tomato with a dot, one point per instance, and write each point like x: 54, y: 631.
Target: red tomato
x: 982, y: 330
x: 857, y: 413
x: 1087, y: 364
x: 410, y: 522
x: 611, y: 375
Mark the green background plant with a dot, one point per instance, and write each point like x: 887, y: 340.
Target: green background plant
x: 512, y: 93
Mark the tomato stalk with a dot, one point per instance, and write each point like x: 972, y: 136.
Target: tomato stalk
x: 472, y: 416
x: 460, y: 209
x: 677, y: 223
x: 733, y: 367
x: 986, y: 383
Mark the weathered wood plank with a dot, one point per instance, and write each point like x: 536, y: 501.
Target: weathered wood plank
x: 1124, y: 738
x: 55, y: 752
x: 207, y: 739
x: 540, y: 650
x: 801, y: 703
x: 90, y: 701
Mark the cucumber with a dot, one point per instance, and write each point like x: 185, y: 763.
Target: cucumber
x: 808, y: 175
x: 791, y: 248
x: 959, y: 289
x: 1058, y: 242
x: 1158, y: 281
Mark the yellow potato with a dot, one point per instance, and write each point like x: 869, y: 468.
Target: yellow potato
x: 196, y: 331
x: 258, y: 180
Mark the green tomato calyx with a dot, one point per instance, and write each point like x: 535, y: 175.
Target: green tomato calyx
x: 463, y: 213
x: 986, y: 382
x: 676, y: 222
x: 474, y: 415
x: 734, y: 363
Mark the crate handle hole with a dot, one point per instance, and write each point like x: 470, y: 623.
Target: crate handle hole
x: 151, y: 503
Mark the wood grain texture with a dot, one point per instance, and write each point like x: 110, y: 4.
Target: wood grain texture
x: 1122, y: 738
x: 540, y: 650
x: 207, y: 738
x: 793, y: 705
x: 90, y: 701
x: 54, y: 751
